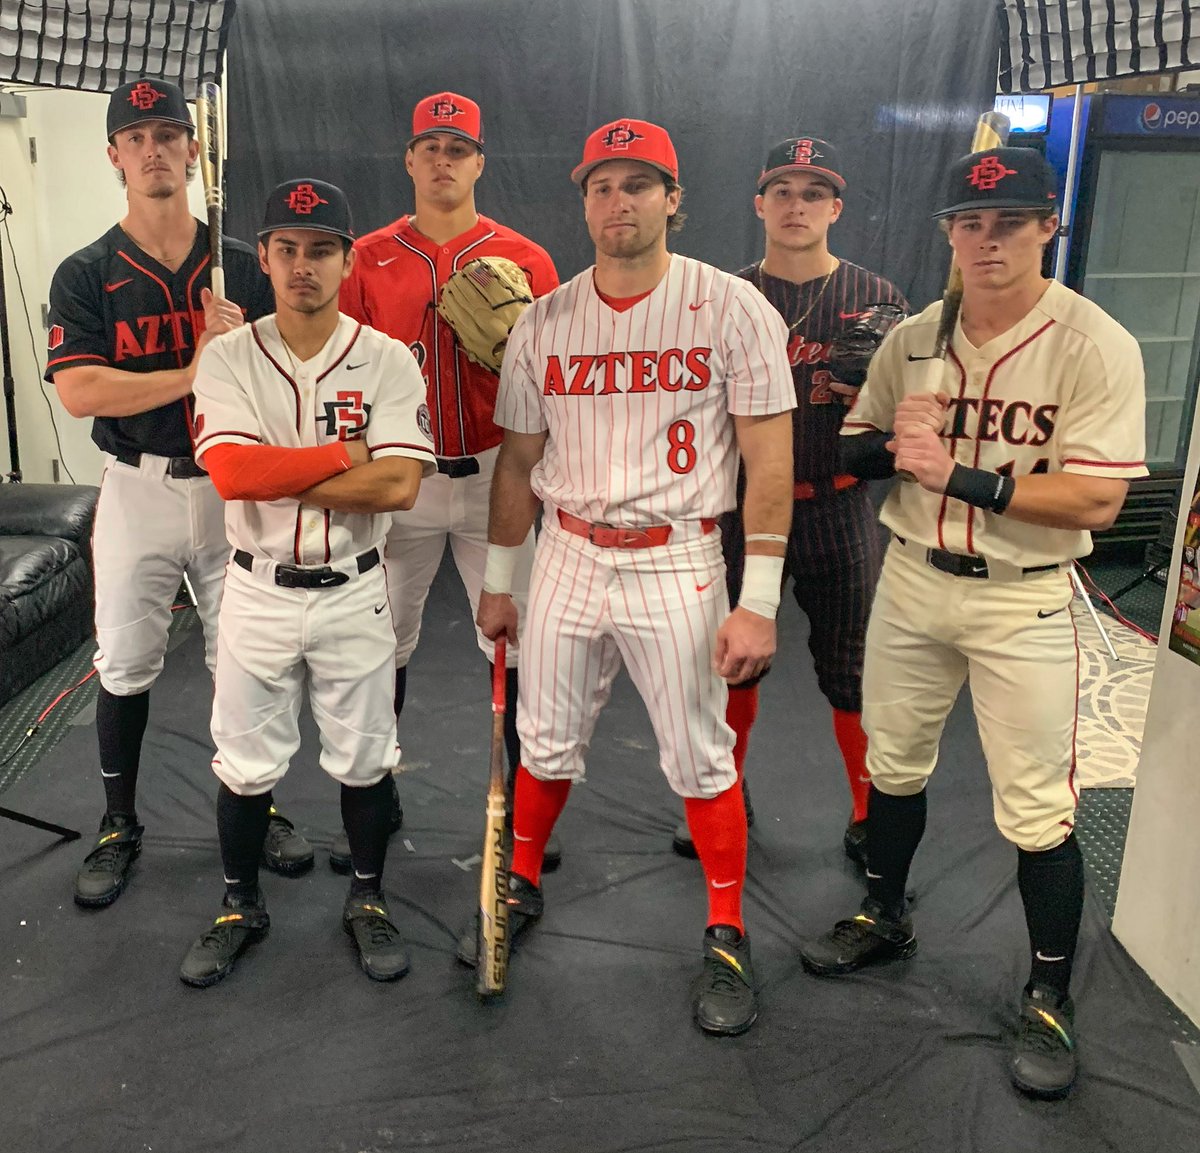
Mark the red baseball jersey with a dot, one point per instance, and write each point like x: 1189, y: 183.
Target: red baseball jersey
x: 394, y: 287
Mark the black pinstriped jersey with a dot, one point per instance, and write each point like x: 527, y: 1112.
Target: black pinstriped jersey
x: 815, y: 312
x: 112, y: 304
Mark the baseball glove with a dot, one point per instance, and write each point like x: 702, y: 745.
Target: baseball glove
x: 851, y: 350
x: 482, y: 302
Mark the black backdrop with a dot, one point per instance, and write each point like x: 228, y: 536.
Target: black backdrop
x: 327, y: 89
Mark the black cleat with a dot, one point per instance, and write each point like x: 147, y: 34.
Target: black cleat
x: 854, y: 841
x: 525, y: 907
x: 241, y: 923
x: 552, y: 855
x: 681, y: 839
x: 869, y: 938
x: 1043, y: 1062
x: 285, y: 851
x: 102, y: 876
x: 723, y: 999
x: 381, y: 952
x: 339, y: 849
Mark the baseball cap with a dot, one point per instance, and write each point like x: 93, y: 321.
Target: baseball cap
x: 802, y: 154
x: 308, y: 203
x: 142, y: 100
x: 628, y: 140
x: 448, y: 112
x: 999, y: 178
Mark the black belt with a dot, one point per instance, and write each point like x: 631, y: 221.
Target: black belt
x: 292, y: 576
x: 457, y: 466
x: 178, y: 467
x: 963, y: 565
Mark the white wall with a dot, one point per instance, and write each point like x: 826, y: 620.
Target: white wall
x: 1158, y: 903
x: 63, y: 202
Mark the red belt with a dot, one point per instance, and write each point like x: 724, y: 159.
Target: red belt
x: 806, y: 489
x: 612, y: 536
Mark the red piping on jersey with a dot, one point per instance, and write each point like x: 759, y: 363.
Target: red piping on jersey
x: 170, y: 304
x: 423, y: 449
x: 436, y: 377
x: 327, y: 553
x: 278, y: 368
x: 81, y: 356
x: 1105, y: 463
x: 342, y: 356
x: 296, y: 539
x: 1075, y: 725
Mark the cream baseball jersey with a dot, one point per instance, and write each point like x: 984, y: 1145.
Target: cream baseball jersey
x: 251, y: 390
x: 637, y: 402
x: 1061, y: 391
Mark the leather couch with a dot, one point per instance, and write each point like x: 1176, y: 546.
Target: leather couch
x: 46, y: 586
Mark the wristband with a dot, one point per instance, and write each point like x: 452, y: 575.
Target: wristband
x: 501, y: 564
x: 773, y: 537
x: 762, y: 581
x: 987, y: 490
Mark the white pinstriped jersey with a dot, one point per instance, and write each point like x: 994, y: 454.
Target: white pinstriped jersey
x: 637, y: 403
x: 1063, y: 390
x: 250, y: 390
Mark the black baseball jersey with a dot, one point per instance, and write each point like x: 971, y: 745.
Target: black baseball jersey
x: 111, y: 304
x: 815, y: 312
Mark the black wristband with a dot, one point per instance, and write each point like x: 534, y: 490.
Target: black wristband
x: 987, y: 490
x: 863, y: 455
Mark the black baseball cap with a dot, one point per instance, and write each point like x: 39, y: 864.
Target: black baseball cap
x: 308, y: 203
x: 147, y: 99
x: 802, y: 154
x: 999, y: 178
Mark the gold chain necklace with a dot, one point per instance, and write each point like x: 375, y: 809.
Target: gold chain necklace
x: 815, y: 300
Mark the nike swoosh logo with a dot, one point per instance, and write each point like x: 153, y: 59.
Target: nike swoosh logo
x: 119, y: 284
x: 1042, y: 957
x: 850, y: 315
x: 380, y: 609
x: 874, y: 876
x: 329, y: 580
x: 1042, y: 614
x: 697, y: 307
x: 911, y: 357
x: 109, y: 776
x: 723, y: 884
x: 701, y: 588
x: 360, y: 364
x: 385, y: 263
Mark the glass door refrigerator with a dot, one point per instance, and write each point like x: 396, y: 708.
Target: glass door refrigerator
x: 1135, y: 251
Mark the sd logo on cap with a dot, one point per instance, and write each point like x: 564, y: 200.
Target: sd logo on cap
x: 308, y: 203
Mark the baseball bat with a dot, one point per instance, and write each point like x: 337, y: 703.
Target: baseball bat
x: 991, y: 131
x: 210, y: 132
x: 491, y: 959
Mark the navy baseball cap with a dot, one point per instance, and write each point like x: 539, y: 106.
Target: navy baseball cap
x: 146, y: 99
x: 999, y: 178
x: 308, y: 203
x: 803, y: 154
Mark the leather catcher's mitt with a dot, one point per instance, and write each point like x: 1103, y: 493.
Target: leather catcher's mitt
x: 851, y: 350
x: 482, y: 302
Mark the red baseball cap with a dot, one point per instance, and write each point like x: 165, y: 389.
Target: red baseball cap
x: 448, y: 112
x: 628, y: 140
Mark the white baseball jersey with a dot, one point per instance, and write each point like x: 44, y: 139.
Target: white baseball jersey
x: 250, y: 390
x: 1061, y: 391
x: 637, y: 402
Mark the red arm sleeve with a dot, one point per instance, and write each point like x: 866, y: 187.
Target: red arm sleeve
x: 267, y: 472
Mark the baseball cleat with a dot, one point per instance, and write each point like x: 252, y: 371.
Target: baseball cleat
x: 239, y: 924
x: 105, y: 870
x: 285, y: 851
x: 724, y: 1002
x: 339, y: 848
x: 1043, y: 1062
x: 525, y: 907
x: 551, y: 855
x: 869, y: 938
x: 381, y: 952
x: 854, y: 841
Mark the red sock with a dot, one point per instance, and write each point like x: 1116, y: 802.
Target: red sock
x: 740, y: 713
x: 536, y: 806
x: 851, y: 739
x: 718, y: 828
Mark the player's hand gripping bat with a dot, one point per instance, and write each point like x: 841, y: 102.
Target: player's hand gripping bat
x: 491, y: 963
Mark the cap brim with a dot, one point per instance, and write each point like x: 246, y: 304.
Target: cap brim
x: 307, y: 227
x: 447, y: 132
x: 783, y: 170
x: 579, y: 173
x: 146, y: 120
x: 980, y: 205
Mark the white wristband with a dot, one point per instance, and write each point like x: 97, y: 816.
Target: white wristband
x: 501, y: 564
x: 762, y: 581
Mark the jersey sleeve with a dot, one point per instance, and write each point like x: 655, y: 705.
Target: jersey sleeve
x: 77, y: 336
x: 874, y: 407
x: 352, y: 295
x: 758, y: 377
x: 223, y: 412
x: 1101, y: 431
x: 545, y: 275
x: 518, y: 401
x: 400, y: 419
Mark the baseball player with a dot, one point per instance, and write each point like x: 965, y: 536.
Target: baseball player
x: 1022, y: 441
x: 394, y: 287
x: 128, y: 315
x: 313, y: 426
x: 834, y: 552
x: 626, y: 396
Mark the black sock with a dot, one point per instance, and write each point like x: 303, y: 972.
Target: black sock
x: 1051, y: 884
x: 367, y: 818
x: 895, y: 826
x: 242, y: 828
x: 120, y: 726
x: 401, y: 689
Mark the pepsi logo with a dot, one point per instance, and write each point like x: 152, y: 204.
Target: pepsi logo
x: 1151, y: 115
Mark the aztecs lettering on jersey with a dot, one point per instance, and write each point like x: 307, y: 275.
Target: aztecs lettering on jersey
x: 634, y: 371
x: 992, y: 419
x: 155, y: 334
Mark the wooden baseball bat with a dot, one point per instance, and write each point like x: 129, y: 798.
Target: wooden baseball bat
x: 210, y: 132
x: 491, y: 960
